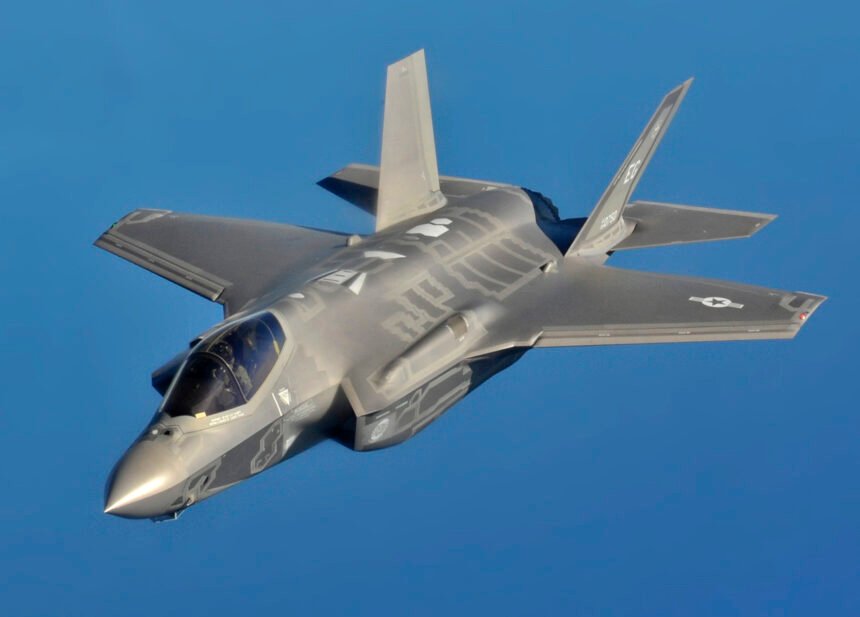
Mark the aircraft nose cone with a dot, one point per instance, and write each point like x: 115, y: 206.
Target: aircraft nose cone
x: 145, y: 483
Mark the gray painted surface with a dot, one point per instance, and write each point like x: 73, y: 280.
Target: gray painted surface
x: 606, y: 226
x: 658, y: 224
x: 409, y: 177
x: 383, y: 334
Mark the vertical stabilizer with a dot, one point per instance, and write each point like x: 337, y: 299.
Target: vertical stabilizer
x: 606, y: 226
x: 408, y: 177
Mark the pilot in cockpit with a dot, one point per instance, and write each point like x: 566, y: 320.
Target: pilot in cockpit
x: 249, y: 356
x: 226, y: 370
x: 224, y: 349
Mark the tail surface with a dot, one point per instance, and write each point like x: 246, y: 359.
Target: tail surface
x: 606, y: 226
x: 408, y: 176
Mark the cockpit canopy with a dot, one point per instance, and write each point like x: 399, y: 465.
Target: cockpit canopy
x: 226, y: 369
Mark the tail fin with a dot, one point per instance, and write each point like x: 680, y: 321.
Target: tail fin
x: 408, y: 177
x: 606, y: 226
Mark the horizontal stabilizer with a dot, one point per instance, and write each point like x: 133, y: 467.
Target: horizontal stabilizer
x: 659, y: 224
x: 359, y: 185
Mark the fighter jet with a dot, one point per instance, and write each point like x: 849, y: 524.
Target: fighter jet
x: 367, y: 339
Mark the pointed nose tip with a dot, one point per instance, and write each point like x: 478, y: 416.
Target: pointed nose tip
x: 146, y: 482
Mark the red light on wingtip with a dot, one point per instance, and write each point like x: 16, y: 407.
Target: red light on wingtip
x: 803, y: 316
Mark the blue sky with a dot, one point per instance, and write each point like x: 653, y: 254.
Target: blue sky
x: 658, y: 480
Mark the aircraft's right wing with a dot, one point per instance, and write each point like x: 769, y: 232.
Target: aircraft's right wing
x: 230, y: 261
x: 585, y: 304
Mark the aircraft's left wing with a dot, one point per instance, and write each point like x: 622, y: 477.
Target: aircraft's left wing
x: 230, y: 261
x: 584, y: 304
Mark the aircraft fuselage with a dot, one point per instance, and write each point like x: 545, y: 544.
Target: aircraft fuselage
x: 375, y: 344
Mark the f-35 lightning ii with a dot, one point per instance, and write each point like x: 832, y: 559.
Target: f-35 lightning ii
x: 368, y: 339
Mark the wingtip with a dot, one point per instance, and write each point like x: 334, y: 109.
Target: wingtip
x: 764, y: 221
x: 809, y: 310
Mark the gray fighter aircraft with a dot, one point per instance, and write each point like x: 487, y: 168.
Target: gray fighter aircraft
x: 368, y: 339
